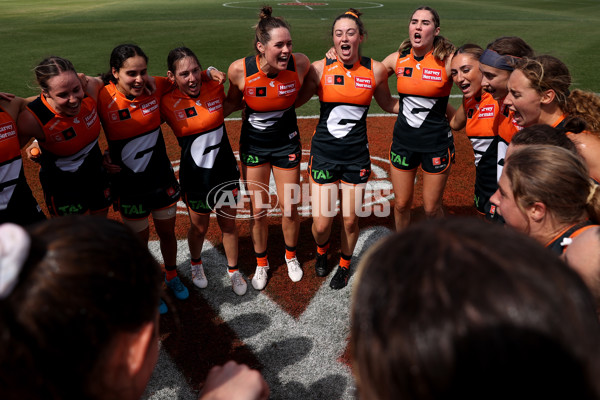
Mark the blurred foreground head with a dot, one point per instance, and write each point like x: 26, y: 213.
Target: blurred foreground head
x: 78, y: 319
x: 459, y: 308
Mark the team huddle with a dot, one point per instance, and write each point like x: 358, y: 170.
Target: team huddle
x: 517, y: 110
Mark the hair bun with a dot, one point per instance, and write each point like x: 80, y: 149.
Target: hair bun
x: 265, y: 12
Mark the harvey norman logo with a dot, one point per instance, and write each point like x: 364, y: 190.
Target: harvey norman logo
x: 149, y: 107
x: 7, y: 130
x: 486, y: 112
x: 214, y: 105
x: 430, y: 74
x: 362, y: 83
x: 286, y: 89
x: 91, y: 118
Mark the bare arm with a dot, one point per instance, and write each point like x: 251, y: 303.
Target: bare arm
x: 303, y: 66
x: 28, y: 128
x: 588, y: 147
x: 235, y: 94
x: 382, y: 90
x: 457, y: 118
x: 311, y: 83
x: 390, y: 63
x: 91, y: 85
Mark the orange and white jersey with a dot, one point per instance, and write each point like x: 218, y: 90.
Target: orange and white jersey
x: 505, y: 127
x: 424, y: 88
x: 68, y: 141
x: 270, y: 113
x: 481, y: 114
x: 136, y: 143
x: 198, y: 123
x: 188, y: 116
x: 11, y: 164
x: 345, y: 93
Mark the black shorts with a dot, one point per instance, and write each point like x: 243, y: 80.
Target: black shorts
x: 67, y: 194
x: 284, y: 157
x: 324, y: 172
x: 140, y: 205
x: 225, y: 194
x: 22, y: 209
x: 78, y: 201
x: 432, y: 163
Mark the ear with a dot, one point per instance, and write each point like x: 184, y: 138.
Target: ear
x: 260, y: 47
x: 115, y: 73
x: 537, y: 212
x: 171, y: 76
x: 437, y: 31
x: 138, y: 347
x: 548, y: 96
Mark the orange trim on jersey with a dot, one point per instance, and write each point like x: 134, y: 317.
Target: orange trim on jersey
x: 559, y: 120
x: 580, y: 231
x: 64, y: 135
x: 573, y: 235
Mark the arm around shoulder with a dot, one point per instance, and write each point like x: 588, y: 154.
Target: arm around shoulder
x: 28, y: 127
x: 382, y: 90
x: 390, y: 63
x: 311, y: 83
x: 302, y: 64
x: 456, y: 118
x: 235, y: 93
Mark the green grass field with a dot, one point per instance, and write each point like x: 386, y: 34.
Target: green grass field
x: 85, y: 31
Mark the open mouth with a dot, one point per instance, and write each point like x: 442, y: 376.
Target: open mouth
x: 283, y: 59
x: 417, y: 37
x: 72, y: 109
x: 465, y: 87
x: 516, y: 115
x: 346, y: 48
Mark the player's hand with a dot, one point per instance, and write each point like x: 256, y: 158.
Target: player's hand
x: 150, y: 85
x: 84, y: 80
x: 331, y: 54
x: 216, y: 75
x: 6, y: 96
x: 234, y: 381
x: 33, y: 151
